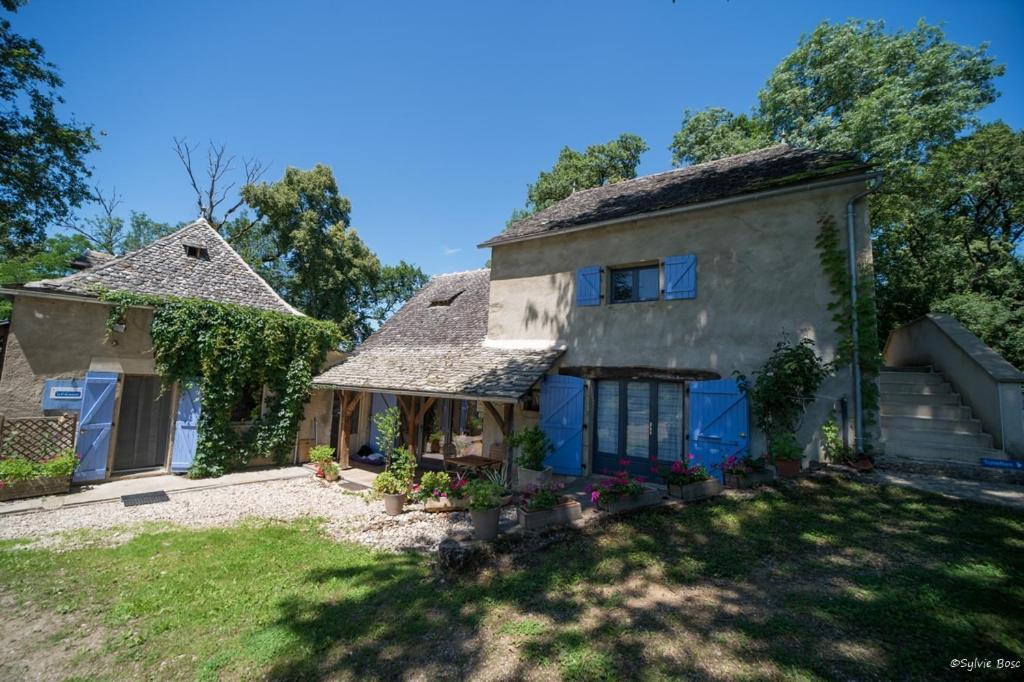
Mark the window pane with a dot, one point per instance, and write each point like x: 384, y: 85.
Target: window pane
x: 608, y: 416
x: 670, y: 422
x: 649, y: 284
x: 622, y: 285
x: 638, y: 419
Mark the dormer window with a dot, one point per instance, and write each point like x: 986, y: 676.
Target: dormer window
x: 196, y: 251
x: 444, y: 302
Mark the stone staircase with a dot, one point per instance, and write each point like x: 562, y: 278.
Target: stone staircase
x: 926, y: 426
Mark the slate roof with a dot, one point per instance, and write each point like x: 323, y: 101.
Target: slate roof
x: 163, y: 267
x: 90, y: 258
x: 755, y: 171
x: 431, y: 347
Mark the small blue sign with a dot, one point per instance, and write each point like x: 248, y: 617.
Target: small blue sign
x: 63, y: 395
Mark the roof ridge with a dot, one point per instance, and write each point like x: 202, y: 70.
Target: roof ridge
x: 459, y: 272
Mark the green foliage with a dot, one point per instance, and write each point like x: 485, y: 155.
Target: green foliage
x: 715, y: 133
x: 395, y: 285
x: 597, y: 165
x: 388, y: 423
x: 785, y: 446
x: 547, y: 497
x: 483, y: 494
x: 832, y: 442
x: 387, y: 483
x: 61, y: 465
x: 50, y: 259
x: 534, y: 447
x: 784, y: 386
x: 43, y: 174
x: 402, y: 465
x: 834, y: 262
x: 433, y: 485
x: 321, y: 454
x: 226, y: 350
x: 998, y: 321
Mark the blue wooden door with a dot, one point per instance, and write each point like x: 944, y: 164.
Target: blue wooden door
x: 719, y: 422
x: 186, y: 429
x: 561, y: 418
x: 95, y: 424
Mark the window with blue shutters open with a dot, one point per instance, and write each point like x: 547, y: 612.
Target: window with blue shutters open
x: 633, y: 284
x: 588, y: 286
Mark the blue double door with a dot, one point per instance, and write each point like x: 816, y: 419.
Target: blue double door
x: 644, y: 426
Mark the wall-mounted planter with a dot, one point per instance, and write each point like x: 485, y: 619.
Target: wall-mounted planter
x: 692, y: 492
x: 751, y: 480
x: 36, y: 487
x: 527, y: 479
x: 647, y: 498
x: 446, y: 504
x: 567, y: 511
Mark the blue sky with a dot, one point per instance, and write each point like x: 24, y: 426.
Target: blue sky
x: 434, y: 116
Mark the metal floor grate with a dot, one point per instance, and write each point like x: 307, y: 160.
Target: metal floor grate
x: 144, y: 498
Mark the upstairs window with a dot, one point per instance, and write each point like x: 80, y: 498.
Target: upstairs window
x: 629, y: 285
x: 196, y: 251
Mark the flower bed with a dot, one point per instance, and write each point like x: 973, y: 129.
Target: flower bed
x: 620, y: 493
x: 440, y: 492
x: 744, y: 472
x: 23, y: 477
x: 545, y: 506
x: 691, y: 482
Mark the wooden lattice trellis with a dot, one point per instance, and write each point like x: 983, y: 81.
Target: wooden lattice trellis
x: 37, y: 438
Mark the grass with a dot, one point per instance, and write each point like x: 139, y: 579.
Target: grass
x: 821, y: 579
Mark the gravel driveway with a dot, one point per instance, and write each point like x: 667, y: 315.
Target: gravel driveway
x: 349, y: 516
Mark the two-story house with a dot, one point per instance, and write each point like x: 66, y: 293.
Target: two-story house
x: 618, y: 318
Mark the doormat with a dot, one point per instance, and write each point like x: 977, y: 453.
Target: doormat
x: 354, y: 487
x: 144, y: 498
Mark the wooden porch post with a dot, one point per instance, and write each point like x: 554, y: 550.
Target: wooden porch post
x: 349, y: 403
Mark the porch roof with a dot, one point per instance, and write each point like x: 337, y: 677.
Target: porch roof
x: 435, y: 346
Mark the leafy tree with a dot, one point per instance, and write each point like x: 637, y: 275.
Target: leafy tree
x: 107, y: 232
x: 53, y: 259
x: 943, y: 222
x: 142, y: 230
x: 397, y: 284
x: 43, y: 175
x: 326, y: 269
x: 597, y: 165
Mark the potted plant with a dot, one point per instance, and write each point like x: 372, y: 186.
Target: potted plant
x: 440, y: 492
x: 621, y: 492
x: 534, y: 446
x: 484, y: 508
x: 543, y: 507
x: 393, y: 489
x: 24, y: 477
x: 744, y: 472
x: 786, y: 454
x: 690, y: 482
x: 326, y: 467
x: 435, y: 441
x: 500, y: 478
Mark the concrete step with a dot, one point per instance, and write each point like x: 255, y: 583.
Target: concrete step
x: 917, y: 389
x: 891, y: 398
x: 896, y: 378
x: 919, y: 369
x: 915, y: 423
x: 967, y: 440
x: 913, y: 409
x: 970, y: 471
x: 917, y: 450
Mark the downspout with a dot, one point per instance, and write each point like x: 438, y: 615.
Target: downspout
x: 851, y: 249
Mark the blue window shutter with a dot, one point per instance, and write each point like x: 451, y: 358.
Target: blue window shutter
x: 95, y: 425
x: 186, y: 429
x: 588, y: 286
x: 680, y: 277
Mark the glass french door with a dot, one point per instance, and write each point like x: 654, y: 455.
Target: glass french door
x: 639, y: 426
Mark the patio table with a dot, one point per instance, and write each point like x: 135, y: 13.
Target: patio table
x: 474, y: 462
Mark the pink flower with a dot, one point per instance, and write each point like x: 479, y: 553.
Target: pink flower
x: 623, y: 462
x: 677, y: 467
x: 692, y: 456
x: 641, y: 479
x: 594, y: 497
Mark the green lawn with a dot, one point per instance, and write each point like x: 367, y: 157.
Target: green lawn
x: 821, y: 579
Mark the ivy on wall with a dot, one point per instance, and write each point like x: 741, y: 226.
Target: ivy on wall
x: 834, y: 262
x: 228, y: 350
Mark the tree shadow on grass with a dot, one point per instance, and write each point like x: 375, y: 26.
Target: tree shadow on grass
x: 821, y: 578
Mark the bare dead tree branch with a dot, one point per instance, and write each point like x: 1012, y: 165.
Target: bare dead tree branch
x: 212, y: 192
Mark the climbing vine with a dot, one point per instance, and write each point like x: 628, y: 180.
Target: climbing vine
x: 229, y: 350
x: 834, y: 262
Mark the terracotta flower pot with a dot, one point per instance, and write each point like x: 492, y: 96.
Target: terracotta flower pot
x: 485, y: 523
x: 788, y: 468
x: 393, y: 504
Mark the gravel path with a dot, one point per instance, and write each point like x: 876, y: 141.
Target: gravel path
x: 349, y: 516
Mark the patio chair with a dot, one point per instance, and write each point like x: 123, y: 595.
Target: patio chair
x: 448, y: 453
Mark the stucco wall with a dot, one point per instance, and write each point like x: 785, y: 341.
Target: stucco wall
x: 57, y: 339
x: 759, y: 275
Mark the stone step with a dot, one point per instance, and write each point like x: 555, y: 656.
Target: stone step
x: 890, y: 398
x: 895, y: 378
x: 912, y: 409
x: 919, y: 369
x: 915, y: 423
x: 917, y: 389
x: 917, y: 450
x: 967, y: 440
x: 970, y: 471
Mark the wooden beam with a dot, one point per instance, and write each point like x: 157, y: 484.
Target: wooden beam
x: 353, y: 402
x: 344, y: 413
x: 410, y: 417
x: 427, y: 404
x: 509, y: 411
x: 494, y: 413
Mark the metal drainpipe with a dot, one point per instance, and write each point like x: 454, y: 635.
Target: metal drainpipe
x: 851, y: 248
